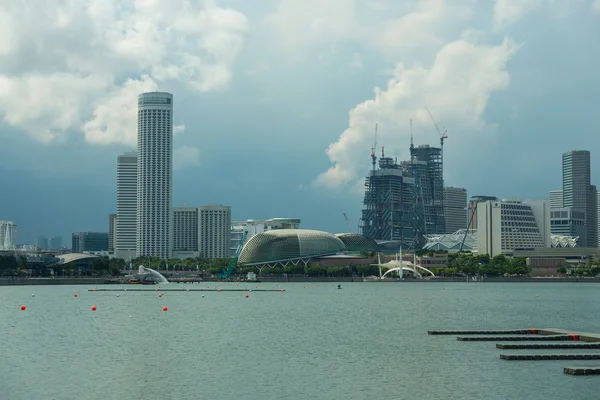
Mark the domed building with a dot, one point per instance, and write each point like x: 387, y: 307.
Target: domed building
x: 356, y: 243
x: 289, y: 245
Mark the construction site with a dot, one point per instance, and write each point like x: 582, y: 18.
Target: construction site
x: 404, y: 201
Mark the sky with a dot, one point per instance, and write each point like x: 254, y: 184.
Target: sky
x: 276, y: 101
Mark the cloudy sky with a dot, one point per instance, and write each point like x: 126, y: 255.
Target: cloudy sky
x: 276, y: 100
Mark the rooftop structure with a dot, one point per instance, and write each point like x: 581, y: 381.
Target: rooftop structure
x: 242, y: 231
x: 452, y: 242
x: 559, y: 241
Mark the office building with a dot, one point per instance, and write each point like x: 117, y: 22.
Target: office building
x: 185, y: 232
x: 556, y: 199
x: 112, y: 219
x: 8, y: 235
x: 578, y: 192
x: 47, y: 243
x: 214, y: 231
x: 55, y: 242
x: 89, y: 241
x: 154, y: 175
x: 125, y: 224
x: 455, y: 208
x: 569, y: 222
x: 242, y: 231
x: 509, y: 225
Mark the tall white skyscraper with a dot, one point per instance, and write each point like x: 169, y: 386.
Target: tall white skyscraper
x: 214, y: 231
x: 154, y: 175
x: 125, y: 224
x: 8, y: 235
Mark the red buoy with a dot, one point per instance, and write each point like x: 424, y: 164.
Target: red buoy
x: 75, y: 295
x: 93, y: 308
x: 246, y: 295
x: 165, y: 308
x: 23, y: 308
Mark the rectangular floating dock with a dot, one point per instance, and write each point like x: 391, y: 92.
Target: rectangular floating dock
x: 529, y: 357
x: 503, y: 332
x: 547, y: 346
x: 514, y: 338
x: 184, y: 290
x: 582, y: 371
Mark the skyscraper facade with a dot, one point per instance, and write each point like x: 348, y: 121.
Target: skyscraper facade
x: 154, y: 175
x: 214, y: 231
x: 556, y: 199
x: 578, y: 192
x: 455, y: 208
x: 112, y: 219
x: 8, y: 235
x: 125, y: 224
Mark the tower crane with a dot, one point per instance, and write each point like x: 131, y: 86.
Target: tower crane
x: 442, y: 134
x: 373, y: 156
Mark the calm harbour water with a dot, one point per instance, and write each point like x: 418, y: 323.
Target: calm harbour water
x: 368, y: 340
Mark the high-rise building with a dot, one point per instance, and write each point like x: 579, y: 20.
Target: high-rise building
x: 42, y: 243
x: 508, y: 225
x: 598, y: 216
x: 214, y: 231
x: 89, y: 241
x: 391, y: 207
x: 112, y: 219
x: 578, y: 192
x: 8, y: 235
x: 455, y: 208
x: 125, y: 224
x: 154, y: 175
x: 55, y: 242
x: 185, y: 229
x: 556, y: 199
x: 429, y: 171
x: 472, y: 212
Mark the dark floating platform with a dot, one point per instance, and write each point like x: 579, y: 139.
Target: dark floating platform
x: 547, y: 346
x: 184, y: 290
x: 528, y: 357
x: 582, y: 371
x: 503, y: 332
x: 514, y: 338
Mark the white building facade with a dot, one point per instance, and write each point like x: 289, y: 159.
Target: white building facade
x: 508, y: 225
x: 125, y: 223
x: 214, y: 231
x: 8, y: 235
x: 154, y: 175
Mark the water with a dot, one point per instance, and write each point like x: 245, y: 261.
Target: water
x: 367, y: 340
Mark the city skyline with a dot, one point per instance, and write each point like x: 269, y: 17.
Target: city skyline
x: 507, y: 132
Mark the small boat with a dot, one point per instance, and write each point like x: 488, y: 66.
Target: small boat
x: 339, y: 286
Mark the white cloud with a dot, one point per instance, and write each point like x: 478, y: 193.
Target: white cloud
x: 75, y: 66
x: 186, y: 156
x: 456, y: 88
x: 507, y: 12
x: 596, y: 6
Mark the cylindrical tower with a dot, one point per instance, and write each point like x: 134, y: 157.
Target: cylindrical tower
x: 154, y: 174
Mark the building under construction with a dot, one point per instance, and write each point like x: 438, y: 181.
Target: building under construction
x: 405, y: 201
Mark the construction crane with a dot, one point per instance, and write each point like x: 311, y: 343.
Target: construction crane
x: 226, y: 273
x: 347, y: 222
x: 442, y: 134
x: 373, y: 156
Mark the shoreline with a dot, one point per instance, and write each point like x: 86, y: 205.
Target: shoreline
x: 101, y: 281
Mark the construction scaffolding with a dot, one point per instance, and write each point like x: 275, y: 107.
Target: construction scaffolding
x: 428, y: 170
x: 390, y: 205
